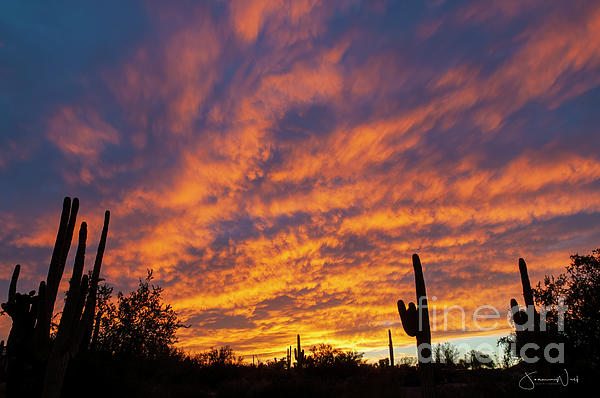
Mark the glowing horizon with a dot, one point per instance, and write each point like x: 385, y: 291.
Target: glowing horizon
x: 277, y: 163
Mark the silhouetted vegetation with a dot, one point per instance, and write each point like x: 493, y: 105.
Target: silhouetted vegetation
x: 36, y: 360
x: 325, y: 355
x: 139, y: 325
x: 579, y: 287
x: 446, y: 353
x: 509, y: 356
x: 328, y: 372
x: 223, y: 356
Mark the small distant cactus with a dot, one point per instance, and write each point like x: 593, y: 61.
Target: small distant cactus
x: 391, y: 346
x: 288, y: 358
x: 299, y: 354
x: 415, y: 321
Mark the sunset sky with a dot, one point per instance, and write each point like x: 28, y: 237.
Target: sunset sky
x: 276, y: 163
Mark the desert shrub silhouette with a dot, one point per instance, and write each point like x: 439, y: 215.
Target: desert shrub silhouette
x: 508, y: 356
x: 222, y: 356
x: 139, y: 325
x: 326, y: 356
x: 446, y: 353
x: 476, y: 360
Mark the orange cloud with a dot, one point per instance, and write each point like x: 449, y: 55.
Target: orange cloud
x: 80, y: 132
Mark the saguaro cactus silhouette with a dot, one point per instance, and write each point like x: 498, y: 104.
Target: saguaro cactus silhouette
x: 288, y: 358
x: 415, y: 321
x: 299, y: 354
x: 29, y: 343
x: 391, y: 347
x: 527, y: 322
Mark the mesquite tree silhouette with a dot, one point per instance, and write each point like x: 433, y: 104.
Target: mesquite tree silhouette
x: 415, y: 320
x: 32, y: 355
x: 138, y: 325
x: 579, y: 288
x: 325, y: 355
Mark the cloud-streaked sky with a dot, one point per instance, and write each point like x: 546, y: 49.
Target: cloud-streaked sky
x: 277, y: 162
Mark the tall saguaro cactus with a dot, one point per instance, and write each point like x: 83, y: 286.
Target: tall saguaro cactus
x: 527, y: 322
x: 29, y: 345
x: 415, y: 321
x: 299, y: 354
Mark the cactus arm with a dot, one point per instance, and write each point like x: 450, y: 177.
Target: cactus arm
x: 79, y: 323
x: 90, y: 305
x: 55, y: 271
x: 79, y: 257
x: 67, y: 244
x: 519, y: 316
x: 61, y: 248
x: 527, y: 292
x: 10, y: 307
x: 94, y: 341
x: 73, y: 295
x: 36, y: 304
x: 81, y: 299
x: 407, y: 317
x: 12, y: 289
x: 402, y: 312
x: 101, y: 247
x: 59, y: 244
x: 41, y: 310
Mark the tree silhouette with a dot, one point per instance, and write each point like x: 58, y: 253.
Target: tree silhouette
x: 509, y: 356
x: 222, y: 356
x: 139, y: 325
x: 325, y: 355
x: 476, y: 360
x: 446, y: 353
x: 579, y: 286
